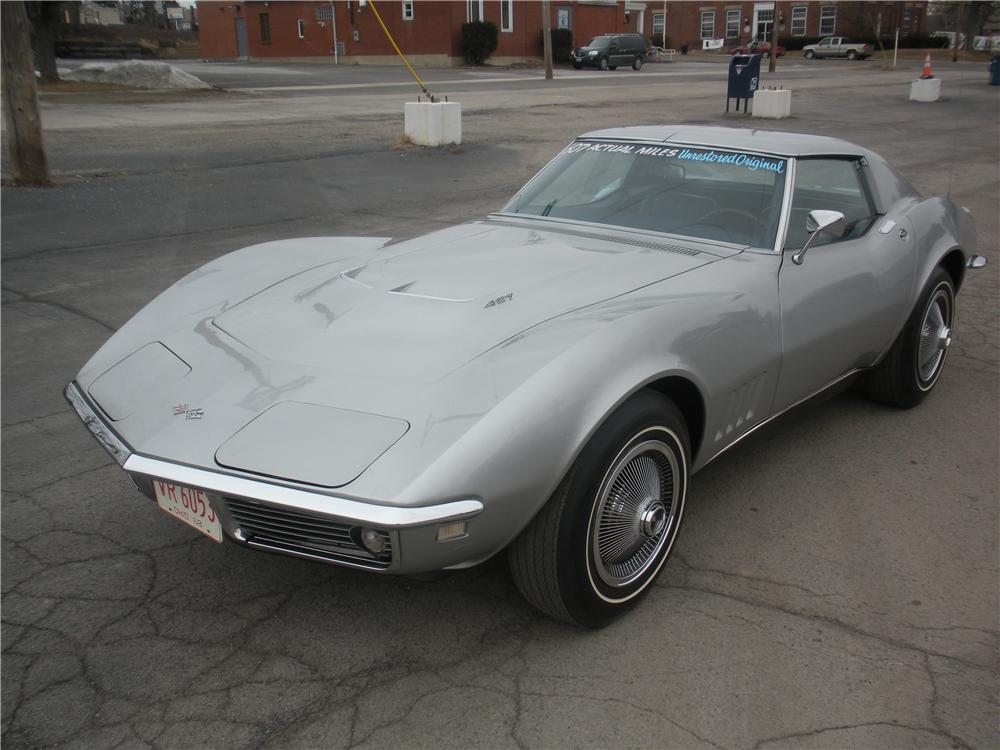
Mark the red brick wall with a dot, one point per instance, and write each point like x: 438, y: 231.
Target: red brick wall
x: 436, y: 26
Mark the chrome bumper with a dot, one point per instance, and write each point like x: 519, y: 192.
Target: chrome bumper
x: 411, y: 530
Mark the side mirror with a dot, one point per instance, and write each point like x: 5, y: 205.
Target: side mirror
x: 831, y: 222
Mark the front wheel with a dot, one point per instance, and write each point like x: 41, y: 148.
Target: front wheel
x: 637, y: 63
x: 577, y: 66
x: 766, y: 55
x: 603, y: 537
x: 914, y: 363
x: 810, y: 55
x: 603, y: 64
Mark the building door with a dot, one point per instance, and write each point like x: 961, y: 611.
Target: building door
x: 241, y: 39
x: 763, y: 20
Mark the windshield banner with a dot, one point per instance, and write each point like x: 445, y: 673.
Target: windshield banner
x: 752, y: 162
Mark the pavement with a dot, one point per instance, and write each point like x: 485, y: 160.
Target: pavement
x: 835, y: 582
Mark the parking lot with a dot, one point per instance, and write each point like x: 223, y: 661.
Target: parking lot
x: 835, y: 582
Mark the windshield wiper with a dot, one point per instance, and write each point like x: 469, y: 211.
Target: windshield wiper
x: 545, y: 211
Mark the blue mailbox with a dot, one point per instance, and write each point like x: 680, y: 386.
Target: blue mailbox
x: 744, y: 78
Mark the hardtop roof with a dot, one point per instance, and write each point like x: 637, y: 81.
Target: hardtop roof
x: 773, y: 142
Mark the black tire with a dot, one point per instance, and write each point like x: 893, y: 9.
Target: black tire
x: 603, y: 64
x: 560, y: 563
x: 637, y: 63
x: 910, y: 370
x: 852, y: 55
x: 766, y: 55
x: 809, y: 54
x: 612, y: 67
x: 576, y: 66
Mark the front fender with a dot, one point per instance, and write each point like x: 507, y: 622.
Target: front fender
x: 694, y: 326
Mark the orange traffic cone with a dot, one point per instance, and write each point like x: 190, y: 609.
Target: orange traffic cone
x: 927, y: 67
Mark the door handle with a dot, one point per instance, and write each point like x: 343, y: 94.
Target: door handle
x: 902, y: 234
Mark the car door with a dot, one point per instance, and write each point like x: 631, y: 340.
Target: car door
x: 615, y: 51
x: 840, y: 308
x: 823, y: 49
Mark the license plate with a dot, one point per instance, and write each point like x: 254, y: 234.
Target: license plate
x: 190, y: 506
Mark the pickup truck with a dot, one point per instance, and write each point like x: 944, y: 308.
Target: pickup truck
x: 838, y: 46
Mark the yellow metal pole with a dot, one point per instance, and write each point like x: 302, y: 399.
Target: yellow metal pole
x: 371, y: 4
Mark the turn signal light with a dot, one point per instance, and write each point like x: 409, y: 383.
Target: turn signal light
x: 451, y: 531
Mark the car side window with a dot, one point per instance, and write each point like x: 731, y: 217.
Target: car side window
x: 830, y: 185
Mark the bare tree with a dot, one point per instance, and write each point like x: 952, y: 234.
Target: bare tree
x: 20, y: 93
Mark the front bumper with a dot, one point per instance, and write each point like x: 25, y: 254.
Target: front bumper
x: 282, y: 517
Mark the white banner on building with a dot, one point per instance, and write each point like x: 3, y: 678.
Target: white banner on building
x: 712, y: 43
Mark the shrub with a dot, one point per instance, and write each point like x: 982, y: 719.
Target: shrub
x: 562, y: 44
x: 479, y: 41
x: 659, y: 40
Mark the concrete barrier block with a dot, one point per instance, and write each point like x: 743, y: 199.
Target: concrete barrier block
x: 774, y: 105
x: 925, y: 90
x: 433, y: 123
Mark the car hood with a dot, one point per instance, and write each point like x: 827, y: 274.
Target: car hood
x: 431, y: 304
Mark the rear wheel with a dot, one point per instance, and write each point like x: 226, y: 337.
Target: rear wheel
x: 603, y: 64
x: 637, y: 63
x: 914, y: 363
x: 852, y: 55
x: 603, y: 537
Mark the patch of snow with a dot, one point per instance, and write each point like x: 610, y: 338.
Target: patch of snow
x: 140, y: 74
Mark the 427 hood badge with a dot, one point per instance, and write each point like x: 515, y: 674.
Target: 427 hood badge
x: 188, y: 413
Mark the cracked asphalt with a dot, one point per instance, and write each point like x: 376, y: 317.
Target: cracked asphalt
x: 835, y: 583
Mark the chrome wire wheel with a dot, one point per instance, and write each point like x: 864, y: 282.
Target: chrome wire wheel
x: 635, y: 514
x: 935, y: 337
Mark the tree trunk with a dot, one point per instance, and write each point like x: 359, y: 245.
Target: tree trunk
x: 23, y: 125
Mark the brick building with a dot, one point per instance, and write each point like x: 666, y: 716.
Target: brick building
x: 428, y: 31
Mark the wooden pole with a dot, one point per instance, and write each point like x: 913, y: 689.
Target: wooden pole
x: 20, y: 106
x: 772, y: 63
x: 547, y: 39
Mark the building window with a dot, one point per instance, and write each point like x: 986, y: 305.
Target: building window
x: 799, y: 20
x: 407, y: 10
x: 265, y: 28
x: 301, y: 25
x: 506, y: 15
x: 562, y: 17
x: 473, y: 10
x: 827, y: 19
x: 658, y: 23
x: 708, y: 24
x: 732, y: 23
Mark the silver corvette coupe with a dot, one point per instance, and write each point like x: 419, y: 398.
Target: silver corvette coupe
x: 543, y: 380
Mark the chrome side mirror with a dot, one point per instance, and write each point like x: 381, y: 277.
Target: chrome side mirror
x: 831, y: 222
x: 975, y: 261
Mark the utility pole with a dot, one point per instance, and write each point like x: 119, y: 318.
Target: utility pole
x: 773, y: 62
x: 547, y: 39
x: 24, y: 126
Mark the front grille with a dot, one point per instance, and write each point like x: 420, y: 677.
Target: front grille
x: 304, y: 534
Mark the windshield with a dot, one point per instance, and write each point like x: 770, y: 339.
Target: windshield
x: 731, y: 196
x: 598, y: 42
